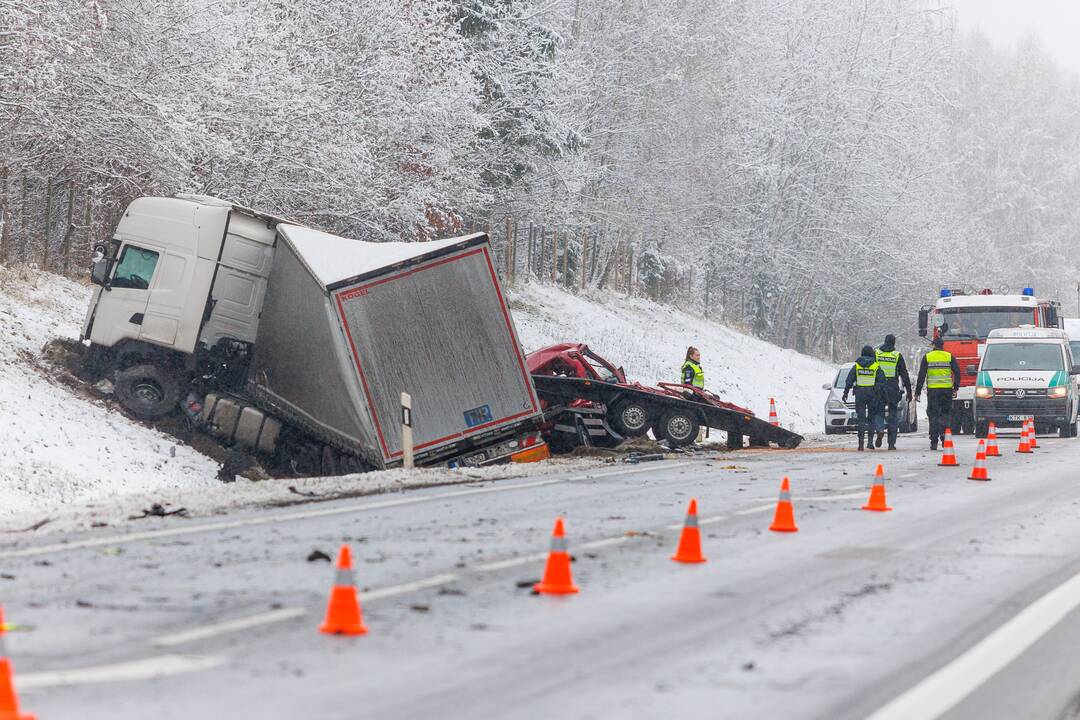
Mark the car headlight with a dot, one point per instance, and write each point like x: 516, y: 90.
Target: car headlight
x: 984, y: 392
x: 835, y: 404
x: 1057, y: 392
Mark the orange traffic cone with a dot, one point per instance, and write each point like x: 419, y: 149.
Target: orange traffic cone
x: 343, y: 615
x: 979, y: 471
x: 9, y: 702
x: 948, y: 452
x: 877, y: 493
x: 774, y: 419
x: 557, y: 580
x: 784, y: 519
x: 690, y: 540
x: 1024, y: 446
x: 1032, y: 439
x: 991, y: 442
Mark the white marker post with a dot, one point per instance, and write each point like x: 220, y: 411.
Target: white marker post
x: 406, y: 430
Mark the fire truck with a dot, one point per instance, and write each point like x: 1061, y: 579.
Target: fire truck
x: 964, y: 317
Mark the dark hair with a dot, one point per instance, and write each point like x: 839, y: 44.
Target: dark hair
x: 690, y: 351
x: 867, y: 351
x: 890, y: 340
x: 938, y: 342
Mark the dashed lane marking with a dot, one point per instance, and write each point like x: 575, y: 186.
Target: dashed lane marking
x: 146, y: 669
x: 113, y: 540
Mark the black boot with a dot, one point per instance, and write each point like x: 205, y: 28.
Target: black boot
x: 860, y: 443
x: 933, y: 443
x: 878, y: 439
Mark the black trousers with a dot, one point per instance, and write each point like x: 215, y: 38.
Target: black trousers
x: 939, y: 411
x: 868, y: 410
x: 892, y: 411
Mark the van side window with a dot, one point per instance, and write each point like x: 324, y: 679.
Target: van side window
x: 135, y: 269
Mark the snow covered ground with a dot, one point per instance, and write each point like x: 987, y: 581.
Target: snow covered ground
x: 650, y: 341
x: 76, y: 461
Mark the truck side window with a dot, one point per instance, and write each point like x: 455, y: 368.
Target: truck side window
x: 136, y: 268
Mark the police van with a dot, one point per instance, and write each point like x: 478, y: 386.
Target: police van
x: 1027, y: 372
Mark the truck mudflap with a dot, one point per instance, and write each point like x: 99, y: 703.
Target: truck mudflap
x: 740, y: 426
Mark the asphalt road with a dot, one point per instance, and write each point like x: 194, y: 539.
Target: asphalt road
x: 915, y: 613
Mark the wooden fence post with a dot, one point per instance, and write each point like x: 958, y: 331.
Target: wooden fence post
x: 554, y: 256
x: 582, y: 261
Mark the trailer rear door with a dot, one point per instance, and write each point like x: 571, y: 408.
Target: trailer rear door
x: 437, y: 327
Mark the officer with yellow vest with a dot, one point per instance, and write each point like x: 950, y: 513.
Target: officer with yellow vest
x: 892, y: 364
x: 692, y: 374
x: 941, y: 374
x: 868, y: 379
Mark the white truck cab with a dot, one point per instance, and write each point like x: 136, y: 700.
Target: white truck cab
x: 166, y: 251
x: 1027, y: 372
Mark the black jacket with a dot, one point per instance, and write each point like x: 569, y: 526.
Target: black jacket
x: 922, y: 376
x: 865, y: 361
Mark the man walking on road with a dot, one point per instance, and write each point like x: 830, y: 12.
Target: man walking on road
x: 941, y: 373
x: 892, y: 364
x: 868, y: 380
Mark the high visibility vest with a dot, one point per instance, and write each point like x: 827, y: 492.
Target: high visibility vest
x: 939, y: 370
x: 699, y: 374
x: 866, y: 376
x: 888, y: 360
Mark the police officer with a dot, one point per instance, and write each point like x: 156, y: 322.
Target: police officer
x: 892, y: 364
x: 692, y: 374
x: 941, y: 373
x: 868, y: 379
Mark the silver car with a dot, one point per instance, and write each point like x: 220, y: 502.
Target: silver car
x: 840, y: 416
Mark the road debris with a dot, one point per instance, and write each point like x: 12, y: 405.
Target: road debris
x: 317, y: 555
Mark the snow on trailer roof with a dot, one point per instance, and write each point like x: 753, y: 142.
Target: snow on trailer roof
x: 332, y: 258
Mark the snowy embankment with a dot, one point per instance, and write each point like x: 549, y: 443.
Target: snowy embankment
x: 650, y: 341
x: 74, y: 460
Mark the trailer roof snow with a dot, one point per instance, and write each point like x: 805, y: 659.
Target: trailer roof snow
x: 331, y: 258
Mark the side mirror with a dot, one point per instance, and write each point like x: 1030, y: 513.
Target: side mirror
x: 1075, y: 370
x: 827, y: 386
x: 101, y: 266
x: 924, y: 321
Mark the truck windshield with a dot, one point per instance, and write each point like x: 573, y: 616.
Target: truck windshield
x: 136, y: 268
x: 1023, y: 356
x: 976, y: 323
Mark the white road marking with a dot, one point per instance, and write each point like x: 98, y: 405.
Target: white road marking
x: 114, y: 540
x: 606, y: 542
x: 759, y: 508
x: 229, y: 626
x: 284, y: 614
x: 511, y: 562
x: 938, y: 693
x: 404, y: 588
x: 147, y: 669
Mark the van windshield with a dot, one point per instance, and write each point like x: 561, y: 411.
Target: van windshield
x: 1023, y: 356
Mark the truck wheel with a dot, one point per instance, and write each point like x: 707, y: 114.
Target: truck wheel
x: 630, y: 418
x: 1067, y: 431
x: 967, y: 426
x: 147, y: 391
x: 679, y: 428
x: 982, y: 429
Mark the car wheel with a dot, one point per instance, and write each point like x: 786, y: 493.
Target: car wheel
x: 147, y: 391
x: 630, y: 418
x: 679, y: 428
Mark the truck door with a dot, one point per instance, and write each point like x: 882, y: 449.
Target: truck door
x: 167, y: 298
x: 121, y: 311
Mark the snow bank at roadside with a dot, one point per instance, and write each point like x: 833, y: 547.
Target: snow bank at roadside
x: 650, y: 341
x: 57, y: 450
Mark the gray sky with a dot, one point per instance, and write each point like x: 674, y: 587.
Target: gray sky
x: 1057, y: 22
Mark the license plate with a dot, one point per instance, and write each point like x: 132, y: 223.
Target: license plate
x: 1018, y: 418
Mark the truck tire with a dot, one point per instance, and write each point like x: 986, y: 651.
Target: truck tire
x: 1067, y: 430
x: 147, y: 391
x: 679, y: 428
x: 982, y: 429
x: 630, y: 417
